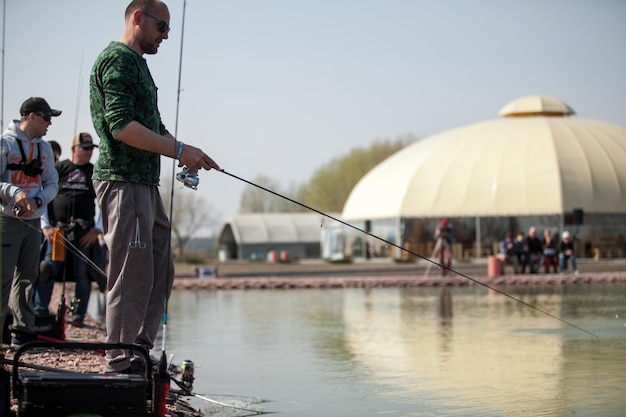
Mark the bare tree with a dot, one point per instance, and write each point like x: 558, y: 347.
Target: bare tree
x: 257, y: 200
x: 190, y: 215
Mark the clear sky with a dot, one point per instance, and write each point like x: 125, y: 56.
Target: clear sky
x: 281, y: 87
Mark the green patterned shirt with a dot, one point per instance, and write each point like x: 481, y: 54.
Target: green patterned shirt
x: 121, y: 90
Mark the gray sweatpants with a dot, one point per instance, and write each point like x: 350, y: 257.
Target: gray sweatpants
x: 21, y: 242
x: 141, y: 269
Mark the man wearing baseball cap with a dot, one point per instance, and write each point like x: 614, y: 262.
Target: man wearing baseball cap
x: 40, y: 107
x: 84, y: 141
x: 28, y: 183
x: 74, y: 211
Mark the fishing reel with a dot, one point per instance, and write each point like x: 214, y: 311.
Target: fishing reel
x: 18, y: 210
x: 186, y: 372
x: 73, y: 305
x: 189, y: 180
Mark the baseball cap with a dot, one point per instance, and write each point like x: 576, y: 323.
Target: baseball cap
x: 83, y: 140
x: 565, y: 235
x: 37, y: 104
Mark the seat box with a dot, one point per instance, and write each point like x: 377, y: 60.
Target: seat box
x: 63, y: 394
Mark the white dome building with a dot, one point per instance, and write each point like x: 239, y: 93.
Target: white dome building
x: 535, y: 165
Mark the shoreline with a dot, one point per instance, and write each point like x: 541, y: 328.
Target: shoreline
x: 376, y: 281
x: 317, y: 273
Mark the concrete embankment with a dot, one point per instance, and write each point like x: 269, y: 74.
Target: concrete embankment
x: 249, y: 275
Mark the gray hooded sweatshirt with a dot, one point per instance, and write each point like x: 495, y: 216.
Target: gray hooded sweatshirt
x: 44, y: 186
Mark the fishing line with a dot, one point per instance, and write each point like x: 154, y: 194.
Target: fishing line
x: 71, y: 247
x: 241, y: 407
x: 414, y: 254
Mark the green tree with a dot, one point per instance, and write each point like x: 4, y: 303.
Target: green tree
x: 331, y: 185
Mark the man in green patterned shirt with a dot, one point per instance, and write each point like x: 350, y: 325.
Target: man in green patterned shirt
x: 124, y: 111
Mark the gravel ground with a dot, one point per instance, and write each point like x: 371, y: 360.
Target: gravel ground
x: 81, y: 360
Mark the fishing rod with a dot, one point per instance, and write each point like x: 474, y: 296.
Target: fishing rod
x: 4, y: 375
x: 4, y: 25
x: 169, y: 242
x: 474, y: 280
x: 78, y: 92
x: 71, y: 247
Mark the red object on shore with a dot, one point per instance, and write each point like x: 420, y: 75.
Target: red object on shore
x: 494, y: 267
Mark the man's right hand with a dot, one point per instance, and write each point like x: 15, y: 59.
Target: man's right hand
x: 195, y: 159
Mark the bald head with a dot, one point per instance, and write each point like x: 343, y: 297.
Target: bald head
x: 147, y: 25
x: 144, y: 5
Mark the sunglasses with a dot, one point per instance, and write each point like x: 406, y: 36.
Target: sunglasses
x: 163, y: 26
x: 45, y: 116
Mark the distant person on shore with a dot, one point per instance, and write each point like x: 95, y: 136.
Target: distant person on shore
x: 550, y: 252
x: 137, y: 231
x: 519, y: 264
x: 443, y: 245
x: 507, y: 252
x: 533, y: 250
x: 566, y: 252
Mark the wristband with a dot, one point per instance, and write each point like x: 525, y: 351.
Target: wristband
x: 15, y: 192
x: 180, y: 150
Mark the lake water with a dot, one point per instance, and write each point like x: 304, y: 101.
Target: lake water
x: 461, y: 351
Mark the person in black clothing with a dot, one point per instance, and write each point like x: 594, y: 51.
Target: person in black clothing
x: 533, y: 250
x: 56, y: 149
x: 46, y: 270
x: 74, y: 211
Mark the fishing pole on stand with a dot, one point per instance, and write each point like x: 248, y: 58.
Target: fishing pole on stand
x: 167, y: 369
x: 61, y: 245
x: 5, y: 375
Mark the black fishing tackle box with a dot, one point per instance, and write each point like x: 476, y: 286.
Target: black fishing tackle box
x: 62, y: 394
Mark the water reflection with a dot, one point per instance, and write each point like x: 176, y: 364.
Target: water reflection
x: 409, y: 351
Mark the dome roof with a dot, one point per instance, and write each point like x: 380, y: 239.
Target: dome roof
x: 510, y: 166
x: 536, y: 106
